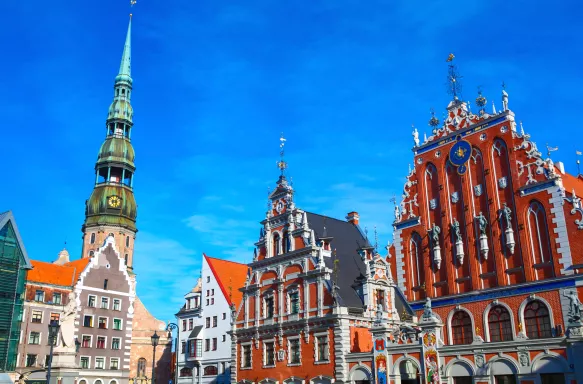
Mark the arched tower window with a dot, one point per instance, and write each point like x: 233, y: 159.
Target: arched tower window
x: 416, y: 260
x: 499, y: 324
x: 461, y: 328
x: 538, y: 320
x: 127, y: 241
x: 276, y: 244
x: 126, y: 258
x: 92, y: 238
x: 141, y: 367
x: 284, y: 242
x: 91, y: 253
x: 538, y: 233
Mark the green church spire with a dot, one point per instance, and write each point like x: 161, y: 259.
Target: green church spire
x: 125, y: 68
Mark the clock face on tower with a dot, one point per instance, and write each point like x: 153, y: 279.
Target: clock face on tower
x: 279, y: 206
x: 114, y: 201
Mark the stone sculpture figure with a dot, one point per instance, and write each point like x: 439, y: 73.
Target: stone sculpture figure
x: 67, y: 322
x: 434, y: 234
x: 575, y: 305
x: 416, y: 137
x: 482, y: 223
x: 507, y: 212
x: 456, y: 230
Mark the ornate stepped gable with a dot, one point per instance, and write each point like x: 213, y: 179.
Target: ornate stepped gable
x: 313, y: 278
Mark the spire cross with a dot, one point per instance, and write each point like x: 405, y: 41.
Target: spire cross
x: 376, y: 239
x: 281, y: 164
x: 454, y: 85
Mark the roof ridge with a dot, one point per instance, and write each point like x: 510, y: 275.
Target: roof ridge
x: 328, y: 217
x: 225, y: 260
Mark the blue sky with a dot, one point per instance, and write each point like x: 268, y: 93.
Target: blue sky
x: 215, y: 82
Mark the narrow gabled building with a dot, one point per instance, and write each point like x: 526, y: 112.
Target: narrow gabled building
x: 190, y: 336
x: 315, y: 286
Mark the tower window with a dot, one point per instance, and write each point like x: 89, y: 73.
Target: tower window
x: 127, y: 241
x: 105, y: 284
x: 92, y: 240
x: 91, y: 253
x: 126, y: 258
x: 123, y: 91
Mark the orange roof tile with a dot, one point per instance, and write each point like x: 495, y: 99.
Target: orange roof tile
x: 572, y: 183
x: 49, y: 273
x: 229, y: 274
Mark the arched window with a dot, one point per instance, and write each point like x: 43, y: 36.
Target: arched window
x: 186, y: 372
x: 98, y: 381
x: 276, y: 244
x: 92, y: 241
x: 284, y: 243
x: 126, y: 258
x: 91, y: 253
x: 537, y: 319
x: 141, y: 367
x: 210, y: 370
x: 127, y: 241
x: 416, y: 260
x: 538, y: 233
x: 461, y: 328
x: 499, y: 324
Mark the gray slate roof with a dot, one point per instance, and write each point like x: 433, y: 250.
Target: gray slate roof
x: 347, y: 239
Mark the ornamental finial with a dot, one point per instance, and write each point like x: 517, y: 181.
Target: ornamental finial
x: 453, y: 84
x: 132, y: 3
x: 481, y: 101
x: 551, y: 149
x: 281, y: 164
x: 434, y: 121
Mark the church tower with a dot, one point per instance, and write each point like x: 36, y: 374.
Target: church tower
x: 112, y: 209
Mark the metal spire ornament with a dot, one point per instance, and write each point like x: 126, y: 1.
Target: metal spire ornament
x: 281, y: 164
x: 433, y: 122
x: 454, y: 85
x: 481, y: 101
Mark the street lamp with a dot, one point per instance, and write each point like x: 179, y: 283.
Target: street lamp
x: 155, y: 338
x: 53, y: 333
x: 170, y: 327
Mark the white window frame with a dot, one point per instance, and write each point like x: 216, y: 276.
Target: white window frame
x: 113, y: 306
x: 116, y: 338
x: 60, y: 300
x: 113, y: 324
x: 290, y: 290
x: 101, y: 302
x: 111, y: 360
x: 88, y: 361
x: 90, y: 340
x: 97, y: 340
x: 104, y: 361
x: 264, y: 360
x: 43, y: 298
x: 106, y: 322
x: 327, y: 341
x: 92, y: 320
x: 289, y: 354
x: 40, y: 336
x: 89, y: 299
x: 42, y: 316
x: 269, y: 294
x: 242, y: 360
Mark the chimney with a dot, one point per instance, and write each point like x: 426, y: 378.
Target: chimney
x: 561, y: 166
x: 352, y: 217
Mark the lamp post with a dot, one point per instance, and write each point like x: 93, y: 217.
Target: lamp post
x: 155, y: 338
x: 53, y: 332
x: 170, y: 327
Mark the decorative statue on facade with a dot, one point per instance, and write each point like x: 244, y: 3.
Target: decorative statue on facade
x: 415, y: 137
x: 575, y: 306
x: 397, y: 213
x: 427, y: 311
x: 459, y: 245
x: 434, y: 240
x: 483, y: 224
x: 509, y: 232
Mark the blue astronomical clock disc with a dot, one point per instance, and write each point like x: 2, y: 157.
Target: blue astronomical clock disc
x: 462, y: 169
x: 460, y: 153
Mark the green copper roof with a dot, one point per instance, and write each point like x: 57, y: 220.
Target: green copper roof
x: 98, y: 210
x: 125, y: 68
x: 116, y: 150
x: 121, y: 109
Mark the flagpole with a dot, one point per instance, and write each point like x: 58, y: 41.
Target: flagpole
x: 578, y: 153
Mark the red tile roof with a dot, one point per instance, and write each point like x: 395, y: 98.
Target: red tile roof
x: 231, y: 276
x: 572, y: 183
x: 49, y: 273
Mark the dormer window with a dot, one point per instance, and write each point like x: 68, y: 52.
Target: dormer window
x: 276, y: 244
x: 380, y: 299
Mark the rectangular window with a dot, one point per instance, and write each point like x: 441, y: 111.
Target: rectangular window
x: 381, y: 298
x: 57, y: 298
x: 208, y: 279
x: 207, y: 345
x: 224, y: 338
x: 224, y: 315
x: 37, y: 317
x: 198, y: 350
x: 105, y: 303
x: 212, y: 300
x: 269, y: 354
x: 207, y: 301
x: 91, y: 301
x: 116, y: 304
x: 183, y: 347
x: 102, y: 323
x: 208, y: 322
x: 183, y: 325
x: 246, y: 356
x: 34, y: 338
x: 208, y: 292
x: 55, y: 317
x: 88, y: 321
x: 39, y: 295
x: 322, y: 345
x: 114, y: 363
x: 100, y: 363
x: 84, y: 362
x: 86, y: 341
x: 294, y: 351
x: 100, y: 342
x: 115, y: 343
x: 214, y: 343
x: 30, y: 360
x: 294, y: 302
x: 190, y: 324
x: 268, y: 307
x: 212, y: 292
x: 214, y: 321
x: 117, y: 324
